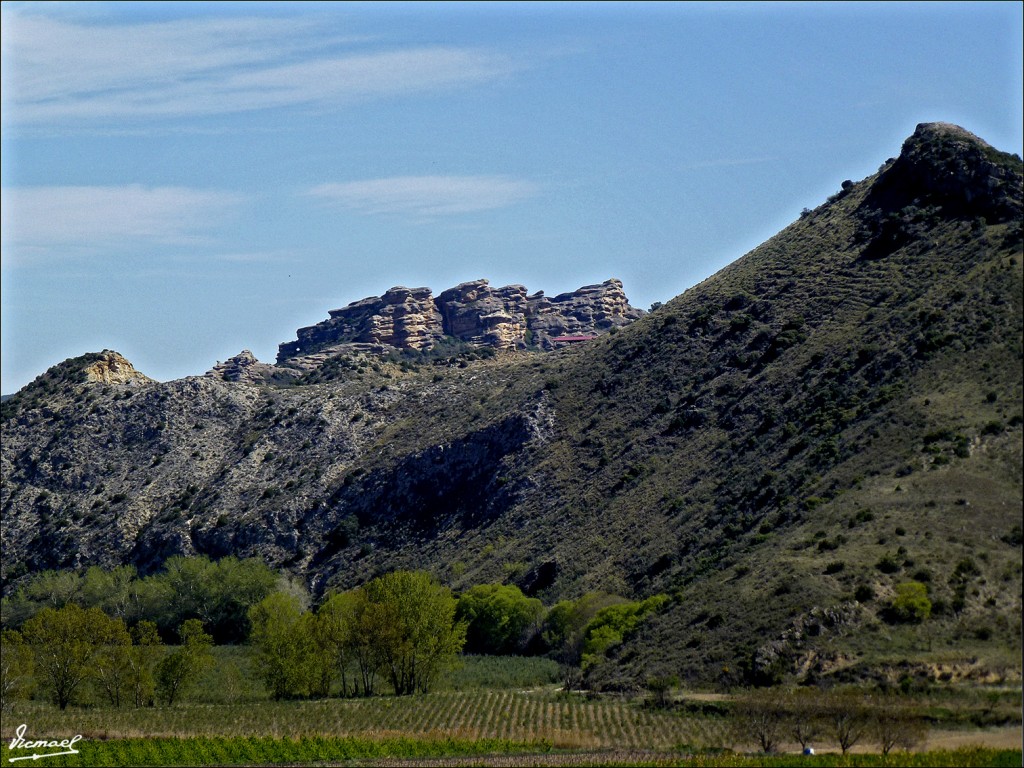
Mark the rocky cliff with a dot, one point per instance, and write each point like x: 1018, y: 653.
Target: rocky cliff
x: 473, y: 312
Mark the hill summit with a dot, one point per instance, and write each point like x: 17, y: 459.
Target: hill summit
x: 778, y: 450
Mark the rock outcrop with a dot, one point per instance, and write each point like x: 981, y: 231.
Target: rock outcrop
x: 112, y: 368
x: 403, y: 318
x: 591, y: 310
x: 472, y: 312
x: 479, y: 314
x: 242, y: 367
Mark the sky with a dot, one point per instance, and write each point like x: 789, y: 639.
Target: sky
x: 181, y: 181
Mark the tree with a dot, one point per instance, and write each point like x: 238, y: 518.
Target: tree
x: 411, y: 618
x: 895, y: 726
x: 804, y: 718
x: 911, y: 604
x: 143, y: 657
x: 110, y: 591
x: 284, y: 646
x: 566, y: 624
x: 217, y: 593
x: 178, y: 670
x: 112, y: 665
x: 335, y: 641
x: 499, y: 618
x: 761, y: 718
x: 848, y: 718
x: 660, y: 687
x: 16, y: 667
x: 65, y: 644
x: 610, y: 625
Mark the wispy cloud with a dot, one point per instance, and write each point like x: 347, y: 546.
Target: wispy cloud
x: 56, y: 71
x: 426, y: 196
x: 50, y: 220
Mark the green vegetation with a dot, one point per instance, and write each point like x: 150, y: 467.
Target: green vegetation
x: 270, y: 751
x: 180, y: 669
x: 249, y: 750
x: 499, y: 618
x: 218, y: 593
x: 70, y: 644
x: 911, y: 603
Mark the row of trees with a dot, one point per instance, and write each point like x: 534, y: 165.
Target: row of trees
x: 403, y: 629
x: 769, y: 719
x: 64, y: 648
x: 217, y: 593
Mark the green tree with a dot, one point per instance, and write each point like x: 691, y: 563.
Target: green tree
x: 219, y: 594
x: 911, y: 604
x: 65, y: 642
x: 660, y: 688
x: 411, y: 618
x: 284, y: 645
x: 110, y: 591
x: 16, y: 668
x: 335, y: 641
x: 112, y: 664
x: 610, y: 625
x: 499, y: 618
x: 178, y: 670
x: 566, y: 624
x: 143, y: 657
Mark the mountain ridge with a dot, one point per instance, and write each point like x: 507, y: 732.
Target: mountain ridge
x: 750, y: 447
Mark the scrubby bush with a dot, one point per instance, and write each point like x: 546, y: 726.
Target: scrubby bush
x: 911, y: 603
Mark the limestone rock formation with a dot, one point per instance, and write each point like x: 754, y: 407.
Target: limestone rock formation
x: 591, y: 310
x: 112, y: 368
x: 242, y: 367
x: 492, y: 317
x: 403, y: 318
x: 472, y: 312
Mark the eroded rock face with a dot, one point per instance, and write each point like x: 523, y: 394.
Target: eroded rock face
x: 591, y: 310
x: 242, y: 367
x: 112, y: 368
x: 474, y: 312
x: 404, y: 318
x: 492, y: 317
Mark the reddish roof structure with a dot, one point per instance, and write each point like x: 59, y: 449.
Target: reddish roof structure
x: 572, y: 338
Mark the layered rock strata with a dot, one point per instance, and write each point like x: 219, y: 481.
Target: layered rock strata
x: 473, y: 312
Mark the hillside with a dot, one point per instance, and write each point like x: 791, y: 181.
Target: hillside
x: 835, y: 413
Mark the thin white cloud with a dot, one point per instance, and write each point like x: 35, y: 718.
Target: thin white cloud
x: 426, y: 196
x: 51, y: 220
x: 56, y: 71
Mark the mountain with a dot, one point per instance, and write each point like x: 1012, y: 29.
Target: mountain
x: 835, y: 413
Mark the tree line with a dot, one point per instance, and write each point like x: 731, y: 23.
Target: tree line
x: 146, y: 640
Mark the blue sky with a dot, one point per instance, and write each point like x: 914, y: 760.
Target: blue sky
x: 182, y: 181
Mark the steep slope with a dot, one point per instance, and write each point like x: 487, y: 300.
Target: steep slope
x: 848, y: 393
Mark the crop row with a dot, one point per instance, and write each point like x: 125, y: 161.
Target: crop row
x: 210, y: 751
x: 570, y: 722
